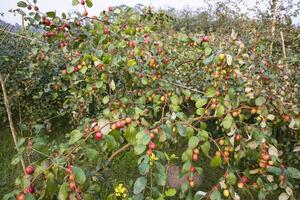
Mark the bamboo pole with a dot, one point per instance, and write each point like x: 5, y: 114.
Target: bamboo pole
x: 273, y: 28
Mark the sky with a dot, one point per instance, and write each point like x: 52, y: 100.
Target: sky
x: 99, y: 5
x: 66, y: 5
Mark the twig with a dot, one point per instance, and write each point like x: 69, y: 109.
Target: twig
x: 114, y: 154
x: 9, y: 116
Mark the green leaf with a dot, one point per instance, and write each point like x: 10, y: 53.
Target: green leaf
x: 259, y: 101
x: 231, y: 179
x: 51, y: 187
x: 200, y: 111
x: 75, y: 2
x: 143, y: 138
x: 139, y: 185
x: 110, y: 141
x: 181, y: 129
x: 210, y: 92
x: 275, y: 170
x: 105, y: 100
x: 186, y: 167
x: 203, y: 134
x: 75, y: 136
x: 200, y: 103
x: 144, y: 168
x: 139, y: 149
x: 220, y: 110
x: 170, y: 192
x: 22, y: 4
x: 205, y: 147
x: 79, y: 175
x: 63, y: 192
x: 207, y: 51
x: 193, y: 142
x: 20, y: 142
x: 91, y: 154
x: 293, y: 172
x: 216, y: 161
x: 131, y: 63
x: 227, y: 121
x: 29, y: 196
x: 89, y: 3
x: 130, y: 134
x: 216, y: 195
x: 51, y: 14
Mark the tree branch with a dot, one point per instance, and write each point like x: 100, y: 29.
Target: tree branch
x: 114, y: 154
x: 9, y: 116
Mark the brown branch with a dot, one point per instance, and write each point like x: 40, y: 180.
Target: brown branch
x: 9, y: 116
x: 114, y: 154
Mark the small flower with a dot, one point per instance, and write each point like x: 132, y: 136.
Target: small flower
x: 153, y: 158
x: 120, y: 191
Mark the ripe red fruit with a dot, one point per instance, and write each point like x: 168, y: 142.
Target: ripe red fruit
x: 196, y: 151
x: 36, y: 8
x: 149, y: 152
x: 195, y: 157
x: 120, y: 124
x: 244, y: 179
x: 30, y: 189
x: 110, y: 8
x: 85, y: 13
x: 191, y: 178
x: 46, y: 22
x: 152, y: 136
x: 240, y: 185
x: 82, y: 2
x: 265, y: 156
x: 98, y: 135
x: 21, y: 196
x: 281, y: 177
x: 29, y: 170
x: 204, y: 39
x: 131, y: 44
x: 72, y: 185
x: 50, y: 34
x: 29, y: 7
x: 192, y: 184
x: 282, y: 166
x: 193, y: 169
x: 113, y: 126
x: 128, y: 120
x: 152, y: 145
x: 155, y: 130
x: 76, y: 69
x: 69, y: 169
x: 63, y: 72
x: 238, y: 137
x: 71, y: 177
x: 106, y: 31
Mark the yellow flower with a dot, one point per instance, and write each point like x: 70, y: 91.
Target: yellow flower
x: 153, y: 158
x: 120, y: 191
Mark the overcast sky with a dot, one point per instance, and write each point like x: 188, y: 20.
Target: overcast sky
x: 66, y: 5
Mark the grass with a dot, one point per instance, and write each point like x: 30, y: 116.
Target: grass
x: 8, y: 172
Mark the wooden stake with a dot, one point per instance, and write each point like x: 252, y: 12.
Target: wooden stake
x: 283, y: 45
x: 9, y: 116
